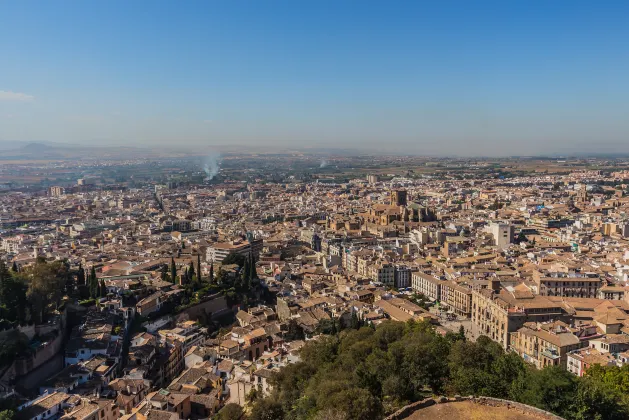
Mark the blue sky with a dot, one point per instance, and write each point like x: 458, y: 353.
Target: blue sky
x: 437, y: 77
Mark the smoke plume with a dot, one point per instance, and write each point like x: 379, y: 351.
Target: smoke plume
x: 211, y: 165
x: 324, y: 163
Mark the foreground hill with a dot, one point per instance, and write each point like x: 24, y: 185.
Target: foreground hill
x: 372, y: 372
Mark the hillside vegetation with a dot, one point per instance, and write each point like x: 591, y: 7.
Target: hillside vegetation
x: 370, y: 372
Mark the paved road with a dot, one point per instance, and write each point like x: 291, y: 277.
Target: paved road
x: 455, y: 324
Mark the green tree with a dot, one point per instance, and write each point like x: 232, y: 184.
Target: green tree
x: 294, y: 331
x: 267, y: 409
x: 597, y: 400
x: 233, y: 258
x: 190, y: 270
x: 521, y: 238
x: 551, y: 389
x: 7, y: 415
x: 354, y: 322
x: 615, y: 377
x: 93, y: 283
x: 244, y: 271
x: 173, y: 270
x: 462, y: 333
x: 102, y: 288
x: 356, y: 403
x: 12, y: 344
x: 80, y: 275
x: 251, y: 270
x: 46, y: 283
x: 221, y: 277
x: 199, y: 279
x: 164, y: 272
x: 328, y: 326
x: 253, y: 395
x: 231, y: 411
x: 13, y: 300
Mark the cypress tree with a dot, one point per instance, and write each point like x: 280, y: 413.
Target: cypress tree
x: 173, y: 270
x: 15, y: 267
x: 211, y: 272
x: 252, y: 268
x: 355, y: 323
x: 191, y: 270
x: 164, y: 274
x: 80, y: 275
x: 199, y: 267
x: 4, y: 271
x: 91, y: 283
x: 244, y: 271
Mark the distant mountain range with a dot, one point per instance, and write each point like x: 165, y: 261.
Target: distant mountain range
x: 53, y: 151
x: 46, y: 150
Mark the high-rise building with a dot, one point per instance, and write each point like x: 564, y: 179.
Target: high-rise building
x: 502, y: 233
x: 56, y: 191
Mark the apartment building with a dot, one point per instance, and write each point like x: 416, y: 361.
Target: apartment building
x: 544, y: 344
x: 402, y: 276
x: 572, y: 284
x: 457, y: 297
x: 427, y: 285
x: 579, y: 361
x: 383, y: 273
x: 542, y: 226
x: 496, y: 313
x: 612, y: 292
x: 218, y: 251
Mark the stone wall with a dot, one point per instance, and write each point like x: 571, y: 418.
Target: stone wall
x: 215, y: 306
x: 406, y: 411
x: 54, y: 331
x: 32, y: 330
x: 42, y: 355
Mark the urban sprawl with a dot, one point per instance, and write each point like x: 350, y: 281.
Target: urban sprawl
x: 181, y: 292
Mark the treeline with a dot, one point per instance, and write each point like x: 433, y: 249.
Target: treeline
x: 371, y: 372
x: 28, y: 296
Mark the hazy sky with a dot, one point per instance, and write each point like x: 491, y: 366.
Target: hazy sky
x: 445, y: 77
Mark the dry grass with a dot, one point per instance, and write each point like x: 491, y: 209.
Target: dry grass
x: 469, y: 411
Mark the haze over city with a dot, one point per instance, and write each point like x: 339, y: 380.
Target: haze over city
x: 488, y: 78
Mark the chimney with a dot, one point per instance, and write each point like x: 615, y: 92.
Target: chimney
x: 495, y: 285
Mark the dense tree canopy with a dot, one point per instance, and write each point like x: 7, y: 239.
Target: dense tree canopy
x: 233, y: 258
x: 12, y: 344
x: 30, y: 294
x: 368, y: 373
x: 6, y: 415
x: 231, y: 411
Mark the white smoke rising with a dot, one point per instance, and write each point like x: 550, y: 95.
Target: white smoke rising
x: 211, y: 165
x: 324, y: 163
